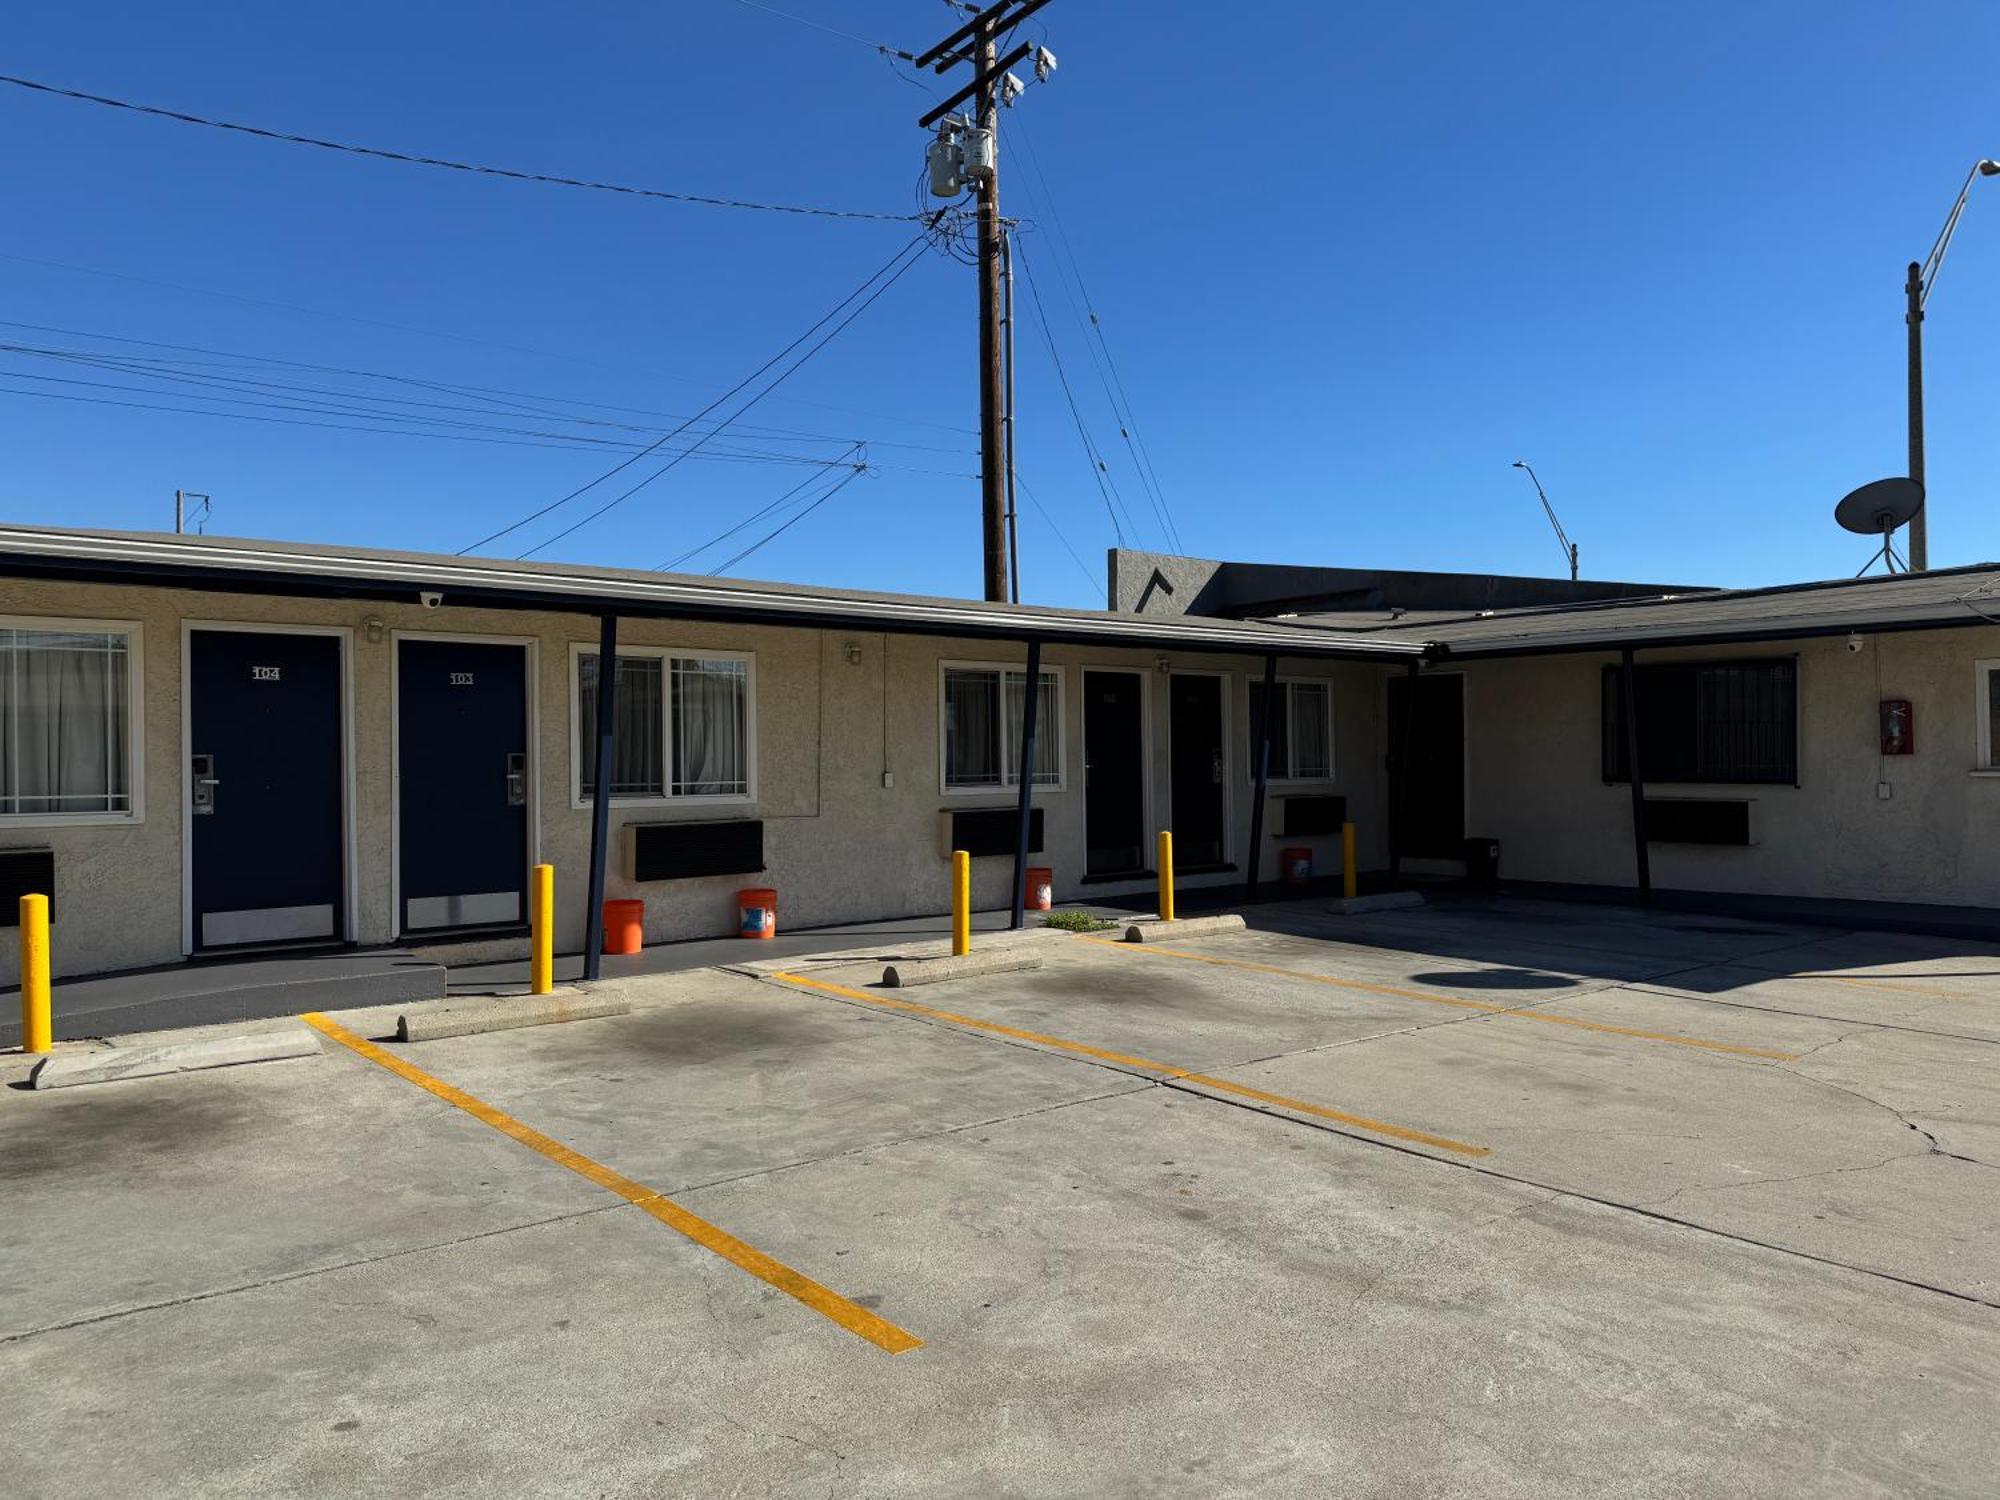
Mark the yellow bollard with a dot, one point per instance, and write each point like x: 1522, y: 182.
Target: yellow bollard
x: 1350, y: 880
x: 542, y: 916
x: 37, y: 1031
x: 1166, y: 862
x: 961, y: 903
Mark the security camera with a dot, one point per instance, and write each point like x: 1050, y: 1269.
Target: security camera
x: 1854, y: 642
x: 430, y: 598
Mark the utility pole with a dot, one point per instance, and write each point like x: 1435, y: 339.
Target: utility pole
x: 185, y: 512
x: 967, y: 151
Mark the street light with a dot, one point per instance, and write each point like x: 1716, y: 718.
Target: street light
x: 1918, y: 289
x: 1569, y: 547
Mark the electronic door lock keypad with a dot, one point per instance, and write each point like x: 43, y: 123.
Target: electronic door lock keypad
x: 202, y: 783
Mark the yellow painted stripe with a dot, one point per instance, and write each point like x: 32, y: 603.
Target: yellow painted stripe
x: 1398, y: 992
x: 1127, y: 1060
x: 822, y: 1300
x: 1884, y: 982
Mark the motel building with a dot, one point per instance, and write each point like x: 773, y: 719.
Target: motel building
x: 213, y: 747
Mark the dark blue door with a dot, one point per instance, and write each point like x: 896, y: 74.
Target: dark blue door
x: 462, y: 793
x: 265, y: 785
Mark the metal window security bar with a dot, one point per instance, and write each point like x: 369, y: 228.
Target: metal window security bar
x: 1031, y: 702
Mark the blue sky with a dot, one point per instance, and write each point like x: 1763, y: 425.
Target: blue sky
x: 1350, y: 261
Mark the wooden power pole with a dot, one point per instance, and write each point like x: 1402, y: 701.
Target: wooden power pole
x: 978, y: 43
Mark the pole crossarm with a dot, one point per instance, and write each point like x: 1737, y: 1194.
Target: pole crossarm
x: 952, y: 49
x: 982, y: 80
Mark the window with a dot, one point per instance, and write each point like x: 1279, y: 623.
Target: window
x: 1714, y: 721
x: 1986, y: 714
x: 683, y: 726
x: 68, y: 721
x: 982, y: 728
x: 1301, y: 731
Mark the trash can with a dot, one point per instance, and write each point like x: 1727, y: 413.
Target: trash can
x: 1482, y: 861
x: 1039, y: 889
x: 624, y: 926
x: 757, y: 911
x: 1295, y: 865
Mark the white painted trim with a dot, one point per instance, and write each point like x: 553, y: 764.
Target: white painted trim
x: 135, y: 724
x: 667, y: 655
x: 531, y: 679
x: 988, y: 789
x: 1225, y: 699
x: 1982, y: 716
x: 1145, y: 674
x: 349, y: 843
x: 1277, y: 783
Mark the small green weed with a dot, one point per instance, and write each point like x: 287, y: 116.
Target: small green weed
x: 1077, y: 921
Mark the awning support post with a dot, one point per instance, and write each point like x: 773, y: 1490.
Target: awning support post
x: 1263, y: 776
x: 1629, y: 686
x: 1031, y: 698
x: 1398, y: 835
x: 600, y: 794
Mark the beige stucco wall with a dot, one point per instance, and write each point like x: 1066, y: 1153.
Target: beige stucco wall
x: 840, y: 845
x: 1535, y: 782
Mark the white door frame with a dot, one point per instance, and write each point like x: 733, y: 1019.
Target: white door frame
x: 1144, y: 674
x: 1228, y: 681
x: 345, y: 635
x: 532, y: 673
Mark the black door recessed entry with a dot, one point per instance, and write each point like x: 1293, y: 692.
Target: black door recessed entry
x: 1432, y: 805
x: 462, y: 771
x: 265, y: 788
x: 1114, y: 773
x: 1196, y: 767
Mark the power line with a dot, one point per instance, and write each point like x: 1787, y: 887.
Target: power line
x: 1087, y: 578
x: 785, y: 15
x: 1098, y: 469
x: 757, y: 515
x: 414, y: 159
x: 913, y: 250
x: 843, y: 483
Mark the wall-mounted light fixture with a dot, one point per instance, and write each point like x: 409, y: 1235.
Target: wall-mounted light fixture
x: 373, y: 625
x: 853, y: 650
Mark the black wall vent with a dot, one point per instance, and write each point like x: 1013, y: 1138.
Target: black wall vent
x: 1310, y: 815
x: 678, y: 851
x: 1694, y: 820
x: 990, y: 830
x: 25, y: 872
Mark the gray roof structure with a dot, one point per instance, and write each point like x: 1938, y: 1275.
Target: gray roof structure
x: 1967, y: 596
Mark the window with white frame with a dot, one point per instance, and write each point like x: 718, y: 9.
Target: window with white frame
x: 682, y: 726
x: 1301, y: 730
x: 981, y: 708
x: 68, y: 728
x: 1986, y: 715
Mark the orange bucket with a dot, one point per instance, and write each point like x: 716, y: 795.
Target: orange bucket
x: 1296, y: 865
x: 757, y: 911
x: 624, y: 926
x: 1039, y: 892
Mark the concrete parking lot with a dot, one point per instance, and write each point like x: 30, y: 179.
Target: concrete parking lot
x: 1509, y: 1199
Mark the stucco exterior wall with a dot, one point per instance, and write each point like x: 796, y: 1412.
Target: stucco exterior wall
x: 834, y: 712
x: 1535, y: 781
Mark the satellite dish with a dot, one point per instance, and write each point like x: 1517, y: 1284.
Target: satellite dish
x: 1877, y: 509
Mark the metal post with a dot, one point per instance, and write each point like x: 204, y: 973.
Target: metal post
x: 1399, y: 834
x: 1031, y: 701
x: 961, y: 903
x: 542, y: 917
x: 1007, y: 317
x: 1629, y: 685
x: 1263, y: 775
x: 1920, y: 542
x: 993, y: 486
x: 37, y: 1030
x: 600, y: 794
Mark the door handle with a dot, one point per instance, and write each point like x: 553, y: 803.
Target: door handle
x: 517, y: 779
x: 202, y: 782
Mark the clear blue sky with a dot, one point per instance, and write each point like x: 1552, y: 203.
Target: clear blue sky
x: 1351, y: 261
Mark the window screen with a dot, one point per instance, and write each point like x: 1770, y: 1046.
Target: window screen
x: 1722, y: 721
x: 65, y: 722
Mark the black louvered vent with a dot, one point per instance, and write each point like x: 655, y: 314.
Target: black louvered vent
x: 25, y: 872
x: 1310, y: 815
x: 678, y: 851
x: 1690, y: 820
x: 990, y: 830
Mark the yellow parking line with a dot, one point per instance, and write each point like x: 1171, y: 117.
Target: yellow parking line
x: 1126, y: 1059
x: 822, y: 1300
x: 1884, y: 982
x: 1397, y: 992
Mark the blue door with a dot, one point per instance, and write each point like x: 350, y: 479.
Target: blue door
x: 265, y: 788
x: 462, y: 793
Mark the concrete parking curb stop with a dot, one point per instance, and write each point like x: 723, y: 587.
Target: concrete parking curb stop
x: 109, y: 1064
x: 1354, y: 906
x: 911, y: 971
x: 1156, y: 931
x: 443, y: 1018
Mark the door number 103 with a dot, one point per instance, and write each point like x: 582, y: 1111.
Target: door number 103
x: 461, y: 679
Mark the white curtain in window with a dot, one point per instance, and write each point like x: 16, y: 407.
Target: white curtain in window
x: 64, y: 722
x: 710, y: 732
x: 1047, y: 734
x: 1311, y: 742
x: 971, y: 728
x: 638, y: 729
